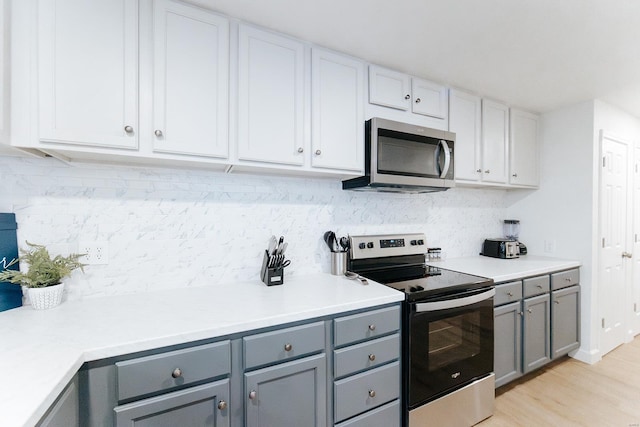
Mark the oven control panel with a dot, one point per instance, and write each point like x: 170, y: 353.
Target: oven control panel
x: 383, y: 245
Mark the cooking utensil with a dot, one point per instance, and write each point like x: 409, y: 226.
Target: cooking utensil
x: 344, y: 242
x: 354, y: 276
x: 272, y: 245
x: 330, y: 240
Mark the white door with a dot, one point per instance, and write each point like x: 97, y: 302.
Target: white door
x: 389, y: 88
x: 271, y: 99
x: 495, y: 137
x: 429, y: 99
x: 337, y: 111
x: 635, y: 283
x: 88, y: 72
x: 191, y: 80
x: 465, y: 122
x: 523, y: 148
x: 614, y: 233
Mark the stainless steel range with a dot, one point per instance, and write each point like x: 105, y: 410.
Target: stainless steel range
x: 447, y: 331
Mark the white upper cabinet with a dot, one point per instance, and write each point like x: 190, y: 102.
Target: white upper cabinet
x: 429, y: 99
x: 271, y: 98
x: 495, y: 142
x: 523, y: 149
x: 88, y: 72
x: 389, y: 88
x: 4, y: 72
x: 190, y: 84
x: 465, y: 112
x: 337, y: 111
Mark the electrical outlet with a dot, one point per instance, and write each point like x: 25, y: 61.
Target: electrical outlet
x: 549, y: 246
x: 96, y: 252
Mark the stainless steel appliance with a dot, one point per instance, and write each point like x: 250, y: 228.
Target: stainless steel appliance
x: 447, y: 331
x: 500, y: 248
x: 405, y: 158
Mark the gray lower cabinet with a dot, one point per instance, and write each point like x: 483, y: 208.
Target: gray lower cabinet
x: 65, y: 410
x: 536, y: 326
x: 199, y: 406
x: 565, y: 312
x: 508, y: 343
x: 289, y: 394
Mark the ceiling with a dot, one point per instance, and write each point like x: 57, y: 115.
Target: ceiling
x: 537, y: 54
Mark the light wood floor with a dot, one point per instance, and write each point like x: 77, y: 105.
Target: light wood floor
x: 572, y: 393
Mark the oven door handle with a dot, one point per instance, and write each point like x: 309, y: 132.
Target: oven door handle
x: 454, y: 303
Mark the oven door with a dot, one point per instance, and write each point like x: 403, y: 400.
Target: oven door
x: 450, y: 343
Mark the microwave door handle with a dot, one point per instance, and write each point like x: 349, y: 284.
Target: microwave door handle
x: 454, y: 303
x: 447, y: 158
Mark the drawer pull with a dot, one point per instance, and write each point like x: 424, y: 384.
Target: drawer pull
x: 253, y: 394
x: 288, y: 347
x: 510, y: 294
x: 222, y: 405
x: 567, y: 279
x: 177, y: 373
x: 372, y: 393
x: 372, y: 357
x: 372, y: 327
x: 539, y: 286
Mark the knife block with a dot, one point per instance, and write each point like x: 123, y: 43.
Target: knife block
x: 270, y: 275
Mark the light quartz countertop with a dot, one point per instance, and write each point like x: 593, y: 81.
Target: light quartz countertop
x: 504, y: 270
x: 41, y: 351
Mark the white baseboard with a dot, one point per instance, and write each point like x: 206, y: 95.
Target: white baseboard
x: 587, y: 356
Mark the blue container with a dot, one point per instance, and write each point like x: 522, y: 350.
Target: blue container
x: 10, y: 294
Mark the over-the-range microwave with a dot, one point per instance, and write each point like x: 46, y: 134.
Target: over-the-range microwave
x: 405, y: 158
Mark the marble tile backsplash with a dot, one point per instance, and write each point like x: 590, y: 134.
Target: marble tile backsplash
x: 171, y: 228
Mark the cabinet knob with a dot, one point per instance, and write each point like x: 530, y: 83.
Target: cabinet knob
x: 539, y: 286
x: 521, y: 313
x: 479, y: 170
x: 372, y: 327
x: 567, y: 279
x: 510, y: 294
x: 318, y: 152
x: 177, y: 373
x: 158, y: 133
x: 372, y: 357
x: 627, y: 255
x: 128, y: 129
x: 300, y: 150
x: 222, y: 405
x: 253, y: 394
x: 515, y: 175
x: 487, y: 171
x: 407, y: 97
x: 529, y: 311
x: 372, y: 393
x: 556, y: 302
x: 418, y: 100
x: 288, y: 347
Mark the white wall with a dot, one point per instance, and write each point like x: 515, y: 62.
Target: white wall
x: 559, y: 213
x: 170, y: 228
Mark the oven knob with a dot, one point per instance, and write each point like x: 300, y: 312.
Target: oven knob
x: 370, y: 245
x: 362, y: 245
x: 421, y: 242
x: 413, y: 243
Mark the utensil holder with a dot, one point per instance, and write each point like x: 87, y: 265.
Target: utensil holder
x: 271, y: 275
x: 338, y: 263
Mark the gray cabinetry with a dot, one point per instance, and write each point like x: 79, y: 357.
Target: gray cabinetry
x: 64, y: 412
x: 537, y: 319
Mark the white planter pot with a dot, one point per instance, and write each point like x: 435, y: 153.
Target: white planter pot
x: 44, y: 298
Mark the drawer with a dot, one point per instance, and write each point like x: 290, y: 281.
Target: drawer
x: 283, y: 344
x: 363, y: 326
x: 508, y: 292
x: 384, y: 416
x: 565, y: 279
x: 535, y: 286
x: 366, y: 355
x: 360, y: 393
x: 155, y: 373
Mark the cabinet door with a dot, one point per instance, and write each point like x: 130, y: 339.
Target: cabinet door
x: 565, y: 321
x: 523, y: 148
x: 201, y: 406
x: 65, y: 411
x: 88, y: 72
x: 495, y: 135
x: 270, y: 97
x: 536, y: 348
x: 507, y: 343
x: 4, y: 71
x: 465, y: 121
x: 337, y: 111
x: 190, y: 86
x: 291, y: 394
x: 389, y: 88
x: 429, y: 99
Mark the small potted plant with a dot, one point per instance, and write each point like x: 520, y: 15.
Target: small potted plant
x: 43, y: 278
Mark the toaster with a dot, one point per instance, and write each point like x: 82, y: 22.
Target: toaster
x: 501, y: 248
